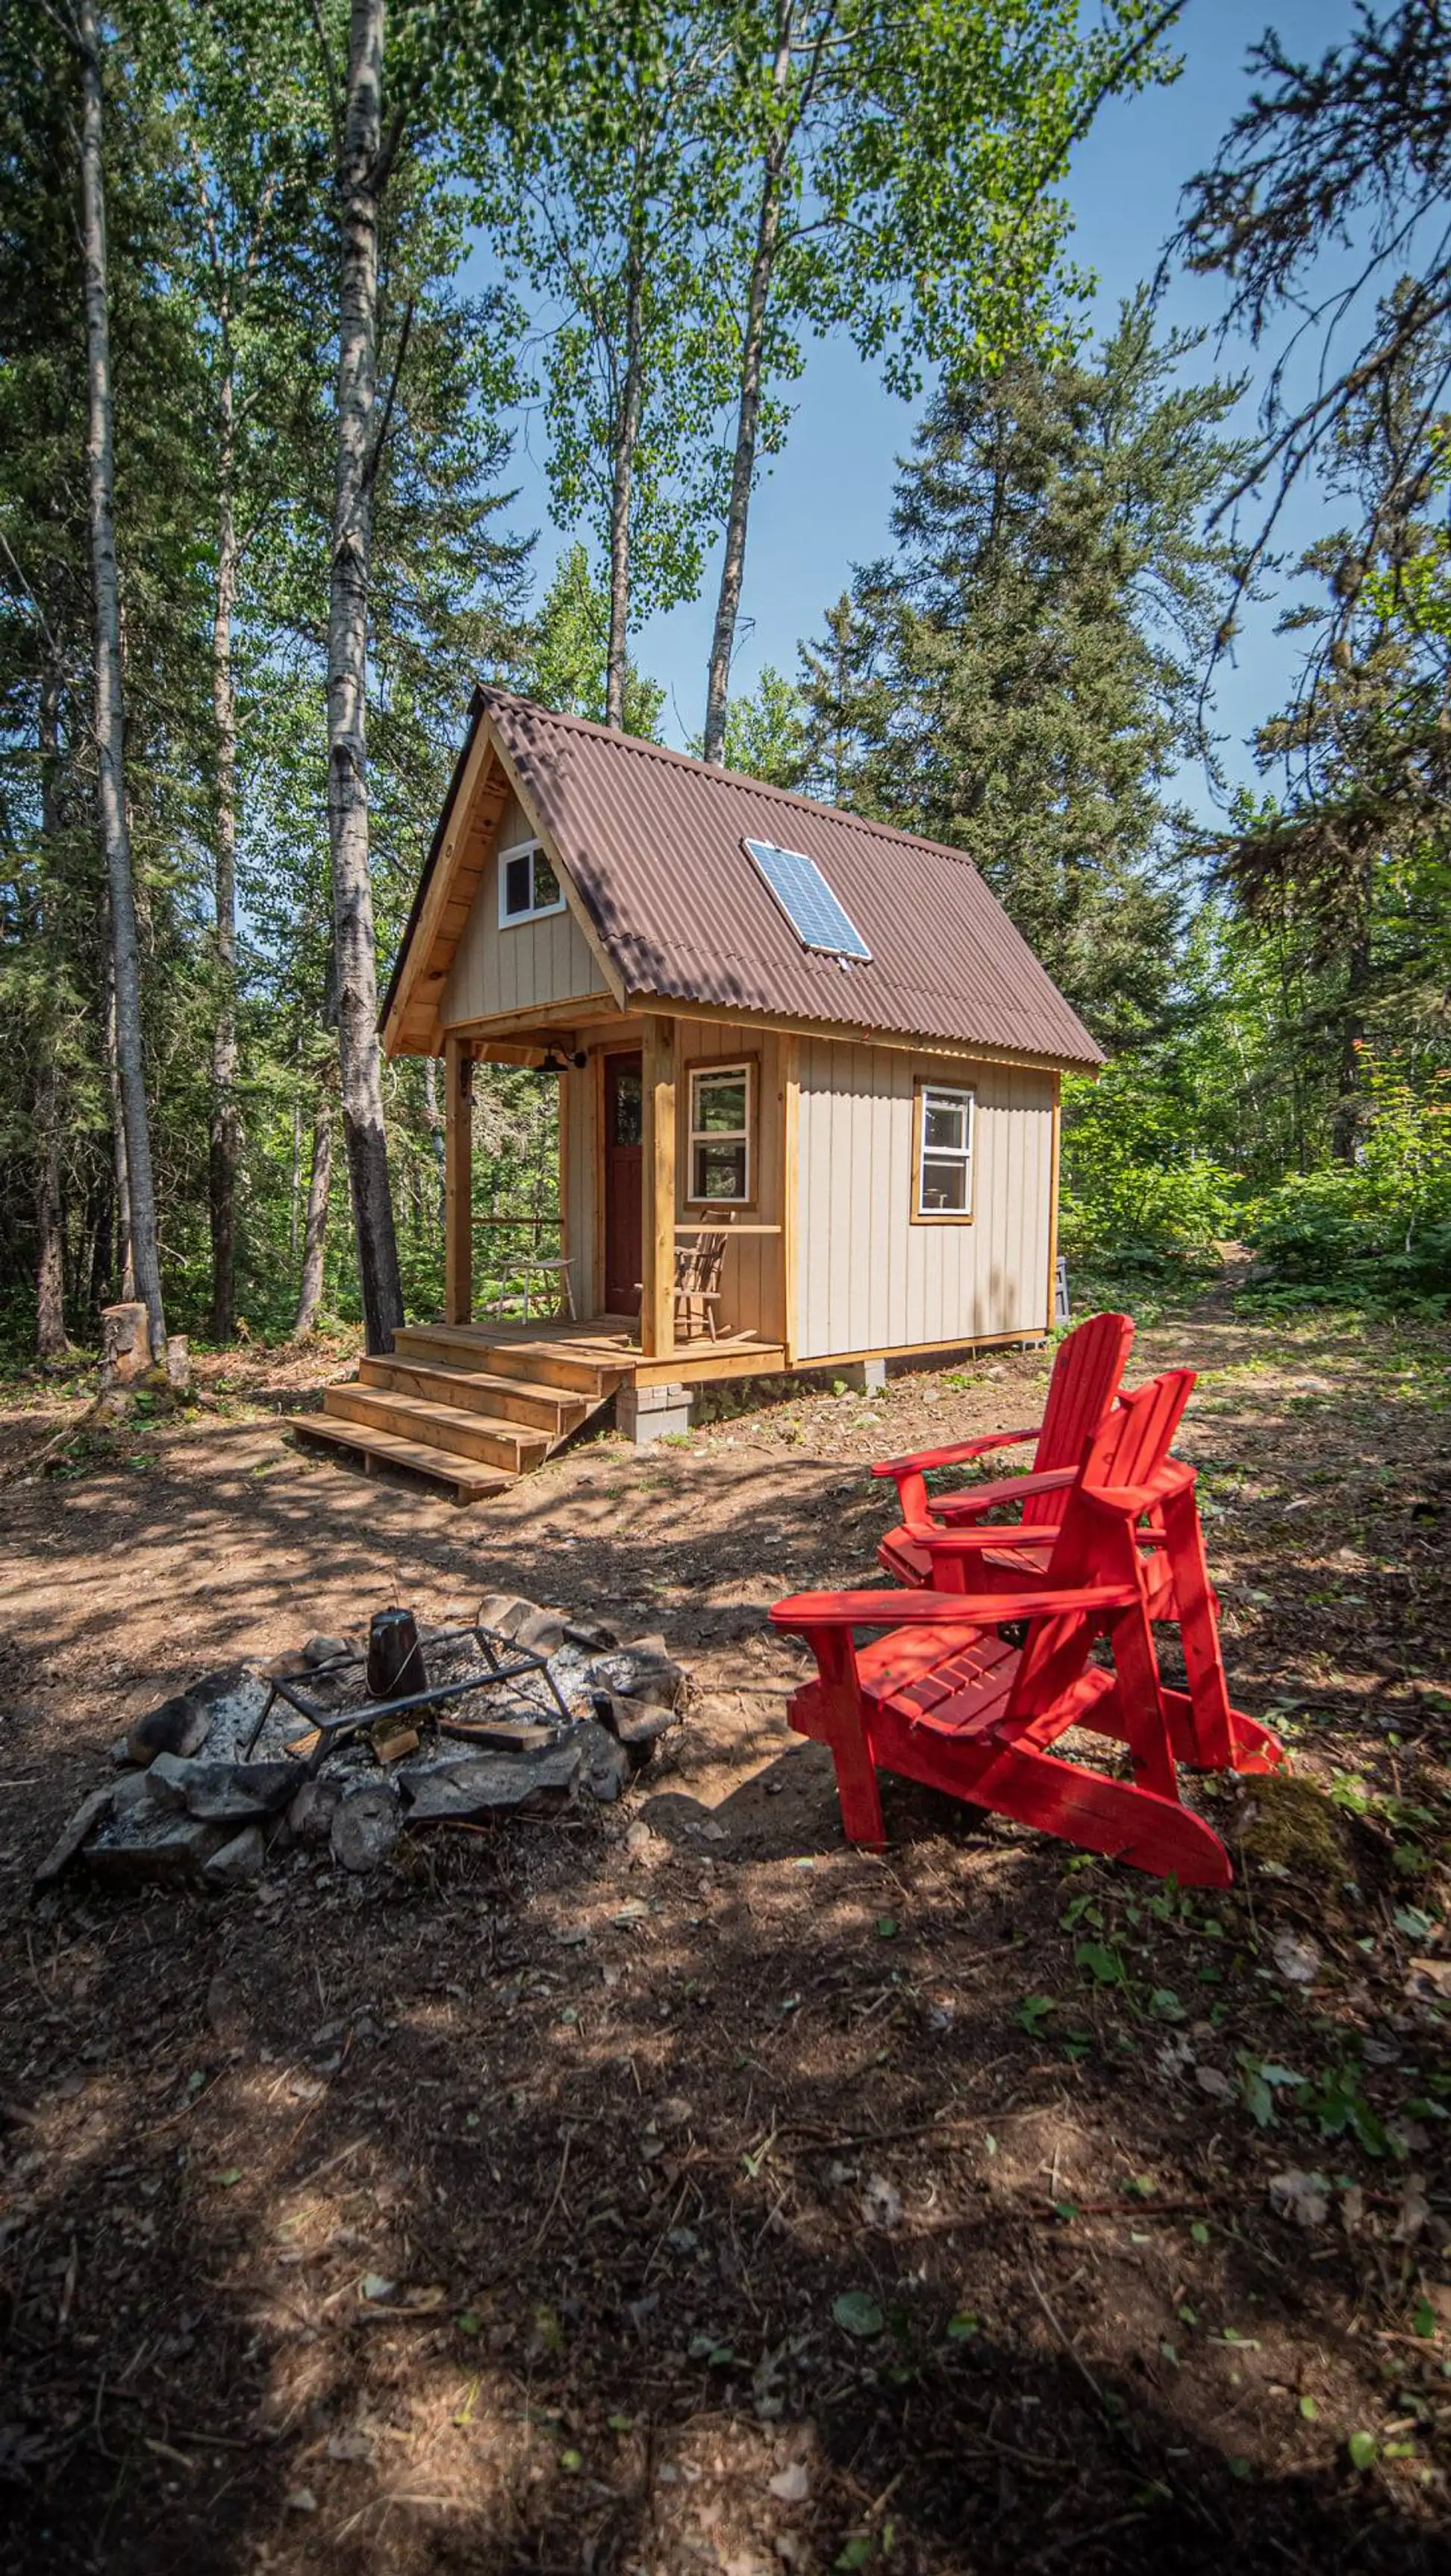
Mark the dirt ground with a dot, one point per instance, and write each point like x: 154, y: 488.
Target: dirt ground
x: 670, y: 2188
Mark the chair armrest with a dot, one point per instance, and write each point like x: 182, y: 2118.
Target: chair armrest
x: 803, y: 1611
x: 1005, y: 1489
x: 955, y: 1456
x: 976, y: 1542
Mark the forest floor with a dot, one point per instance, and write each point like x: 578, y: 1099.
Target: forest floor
x: 671, y: 2188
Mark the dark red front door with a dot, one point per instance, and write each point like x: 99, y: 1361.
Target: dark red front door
x: 624, y: 1113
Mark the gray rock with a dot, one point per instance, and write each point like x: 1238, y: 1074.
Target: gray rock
x: 239, y: 1861
x: 62, y: 1852
x: 593, y: 1636
x: 636, y: 1724
x: 606, y: 1763
x: 503, y: 1612
x: 542, y: 1632
x: 310, y: 1816
x: 644, y: 1672
x: 166, y: 1780
x: 129, y: 1790
x: 324, y: 1650
x: 120, y: 1752
x: 218, y: 1684
x: 226, y: 1793
x: 487, y: 1784
x: 179, y: 1725
x: 366, y: 1826
x: 150, y: 1847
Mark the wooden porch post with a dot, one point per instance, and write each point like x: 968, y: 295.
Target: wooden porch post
x: 458, y: 1166
x: 657, y: 1231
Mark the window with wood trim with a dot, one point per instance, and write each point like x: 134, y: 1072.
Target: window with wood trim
x: 528, y: 886
x: 722, y: 1104
x: 944, y: 1140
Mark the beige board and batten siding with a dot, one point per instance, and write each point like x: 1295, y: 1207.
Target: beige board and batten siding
x: 498, y: 969
x: 868, y: 1278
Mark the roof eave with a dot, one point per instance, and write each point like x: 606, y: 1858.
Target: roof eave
x: 863, y: 1032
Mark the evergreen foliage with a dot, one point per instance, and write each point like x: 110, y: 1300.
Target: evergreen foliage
x: 1020, y: 678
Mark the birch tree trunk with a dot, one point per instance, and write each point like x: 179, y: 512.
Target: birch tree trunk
x: 748, y: 413
x: 359, y: 1054
x: 627, y: 436
x: 314, y: 1242
x: 125, y: 1267
x: 50, y: 1332
x: 110, y: 716
x: 226, y: 1130
x: 433, y: 1112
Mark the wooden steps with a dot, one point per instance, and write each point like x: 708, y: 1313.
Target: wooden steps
x: 491, y: 1440
x: 549, y: 1361
x: 461, y: 1479
x: 557, y: 1410
x: 464, y: 1412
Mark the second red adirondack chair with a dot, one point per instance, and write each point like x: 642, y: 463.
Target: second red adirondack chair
x: 945, y: 1699
x: 1087, y: 1373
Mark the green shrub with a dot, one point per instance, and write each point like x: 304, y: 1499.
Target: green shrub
x: 1136, y: 1190
x: 1382, y: 1224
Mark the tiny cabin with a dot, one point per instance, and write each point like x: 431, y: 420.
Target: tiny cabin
x: 808, y: 1093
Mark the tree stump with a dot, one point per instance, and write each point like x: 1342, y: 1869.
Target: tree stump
x: 125, y: 1344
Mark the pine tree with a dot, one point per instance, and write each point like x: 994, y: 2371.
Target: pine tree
x: 1020, y: 679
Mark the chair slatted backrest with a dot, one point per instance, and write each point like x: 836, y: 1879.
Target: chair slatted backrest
x: 1127, y: 1450
x: 698, y: 1266
x: 1087, y: 1375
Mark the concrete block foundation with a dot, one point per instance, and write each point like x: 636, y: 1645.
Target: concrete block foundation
x: 646, y: 1414
x: 867, y: 1376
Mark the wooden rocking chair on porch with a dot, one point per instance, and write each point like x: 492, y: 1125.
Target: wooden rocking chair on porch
x: 698, y: 1268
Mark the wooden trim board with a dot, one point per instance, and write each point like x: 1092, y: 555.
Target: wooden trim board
x: 657, y: 1231
x: 790, y: 1187
x: 458, y: 1208
x: 1053, y: 1201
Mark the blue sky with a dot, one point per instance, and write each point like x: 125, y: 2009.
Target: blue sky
x: 826, y: 502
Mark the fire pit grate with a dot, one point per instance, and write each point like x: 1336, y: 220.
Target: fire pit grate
x: 461, y: 1665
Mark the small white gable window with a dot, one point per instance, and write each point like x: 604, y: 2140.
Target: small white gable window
x: 528, y: 886
x: 944, y: 1152
x: 720, y: 1132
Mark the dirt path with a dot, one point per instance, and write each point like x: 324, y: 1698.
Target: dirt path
x: 747, y: 2202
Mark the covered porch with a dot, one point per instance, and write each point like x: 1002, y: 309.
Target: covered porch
x: 631, y: 1087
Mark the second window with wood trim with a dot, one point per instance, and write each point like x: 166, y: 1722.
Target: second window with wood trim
x: 943, y: 1178
x: 721, y: 1109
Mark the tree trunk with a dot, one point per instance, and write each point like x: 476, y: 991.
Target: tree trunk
x: 125, y: 1267
x: 50, y: 1332
x: 110, y: 708
x: 627, y: 435
x: 748, y: 427
x: 226, y: 1132
x: 434, y: 1114
x: 1349, y: 1107
x: 314, y: 1247
x: 359, y: 1055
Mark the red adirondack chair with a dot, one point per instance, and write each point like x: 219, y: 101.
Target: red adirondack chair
x: 943, y: 1698
x: 1086, y: 1376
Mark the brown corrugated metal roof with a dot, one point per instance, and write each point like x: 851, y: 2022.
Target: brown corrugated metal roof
x: 654, y: 844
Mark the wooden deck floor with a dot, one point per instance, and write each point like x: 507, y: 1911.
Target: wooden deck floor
x: 613, y: 1341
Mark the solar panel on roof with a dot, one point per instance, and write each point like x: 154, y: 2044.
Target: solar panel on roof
x: 808, y: 902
